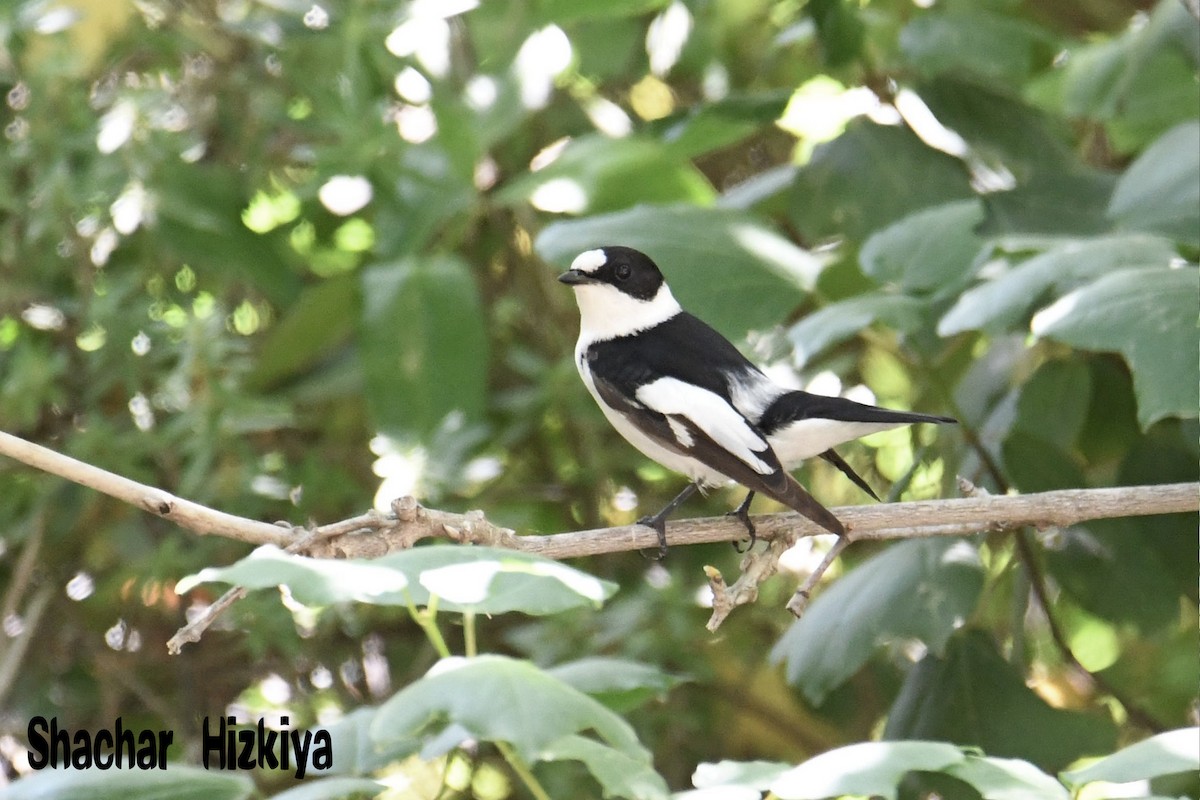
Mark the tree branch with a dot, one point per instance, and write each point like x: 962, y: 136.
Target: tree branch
x: 373, y: 534
x: 184, y: 513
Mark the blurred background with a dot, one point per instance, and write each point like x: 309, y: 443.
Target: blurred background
x: 292, y: 259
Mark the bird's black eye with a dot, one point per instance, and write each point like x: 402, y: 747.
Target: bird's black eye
x: 623, y: 271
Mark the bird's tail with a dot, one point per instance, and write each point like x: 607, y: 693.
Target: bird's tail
x: 795, y: 497
x: 800, y: 405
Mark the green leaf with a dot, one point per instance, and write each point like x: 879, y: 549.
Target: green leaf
x: 840, y: 28
x: 312, y: 581
x: 1165, y: 754
x: 1160, y: 191
x: 1120, y: 569
x: 501, y: 699
x: 750, y: 775
x: 595, y: 174
x: 1007, y: 779
x: 1059, y: 202
x: 1053, y: 403
x: 321, y: 319
x: 333, y: 789
x: 972, y: 696
x: 869, y: 177
x: 711, y: 126
x: 619, y: 774
x: 487, y: 580
x: 177, y: 782
x: 984, y: 43
x: 725, y: 266
x: 869, y: 768
x: 922, y: 588
x: 1149, y: 317
x: 496, y: 580
x: 843, y: 320
x: 1037, y: 465
x: 424, y: 346
x: 935, y: 249
x: 1004, y: 302
x: 619, y: 683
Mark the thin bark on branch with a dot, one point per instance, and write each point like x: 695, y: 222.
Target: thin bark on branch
x: 374, y: 534
x: 184, y: 513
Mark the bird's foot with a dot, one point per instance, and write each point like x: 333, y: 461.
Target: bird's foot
x: 742, y: 513
x: 659, y: 523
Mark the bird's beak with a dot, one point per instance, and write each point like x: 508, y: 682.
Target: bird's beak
x: 574, y: 277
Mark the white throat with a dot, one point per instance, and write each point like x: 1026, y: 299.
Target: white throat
x: 605, y: 312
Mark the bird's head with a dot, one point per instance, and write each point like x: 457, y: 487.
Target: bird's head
x: 619, y: 291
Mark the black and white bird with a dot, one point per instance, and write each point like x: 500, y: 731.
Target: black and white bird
x: 684, y: 396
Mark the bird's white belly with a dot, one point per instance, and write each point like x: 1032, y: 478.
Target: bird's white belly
x: 805, y: 438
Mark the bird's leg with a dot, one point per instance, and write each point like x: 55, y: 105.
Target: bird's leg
x: 659, y: 520
x: 742, y: 512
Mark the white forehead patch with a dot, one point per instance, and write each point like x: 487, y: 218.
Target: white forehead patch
x: 589, y: 260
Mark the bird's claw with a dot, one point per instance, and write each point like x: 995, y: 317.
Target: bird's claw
x: 659, y: 524
x: 742, y: 513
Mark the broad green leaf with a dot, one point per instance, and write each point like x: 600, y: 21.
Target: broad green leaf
x: 357, y: 753
x: 176, y: 782
x: 1063, y: 202
x: 724, y: 266
x: 1160, y: 191
x: 1140, y: 83
x: 595, y: 174
x: 1004, y: 302
x: 869, y: 177
x: 312, y: 581
x: 718, y: 124
x: 502, y: 699
x: 486, y: 580
x: 843, y: 320
x: 869, y: 768
x: 983, y: 43
x: 1053, y: 403
x: 350, y: 788
x: 619, y: 774
x: 1007, y: 134
x: 933, y: 250
x: 1121, y: 569
x: 1038, y: 465
x: 840, y: 29
x: 1007, y: 779
x: 756, y: 775
x: 922, y: 588
x: 620, y: 684
x: 1149, y: 317
x: 424, y: 348
x: 320, y: 319
x: 973, y: 697
x: 1165, y: 754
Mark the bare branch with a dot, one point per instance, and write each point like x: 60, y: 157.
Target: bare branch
x: 184, y: 513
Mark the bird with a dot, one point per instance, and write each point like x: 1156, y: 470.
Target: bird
x: 686, y: 397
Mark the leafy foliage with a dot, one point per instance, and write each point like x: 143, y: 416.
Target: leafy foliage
x: 278, y: 257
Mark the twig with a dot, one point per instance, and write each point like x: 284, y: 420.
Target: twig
x: 184, y: 513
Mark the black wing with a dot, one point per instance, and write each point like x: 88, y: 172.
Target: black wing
x: 664, y: 429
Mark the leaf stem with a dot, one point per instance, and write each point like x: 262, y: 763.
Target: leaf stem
x: 523, y: 771
x: 469, y: 645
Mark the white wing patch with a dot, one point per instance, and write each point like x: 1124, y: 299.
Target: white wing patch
x: 710, y: 413
x: 682, y: 434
